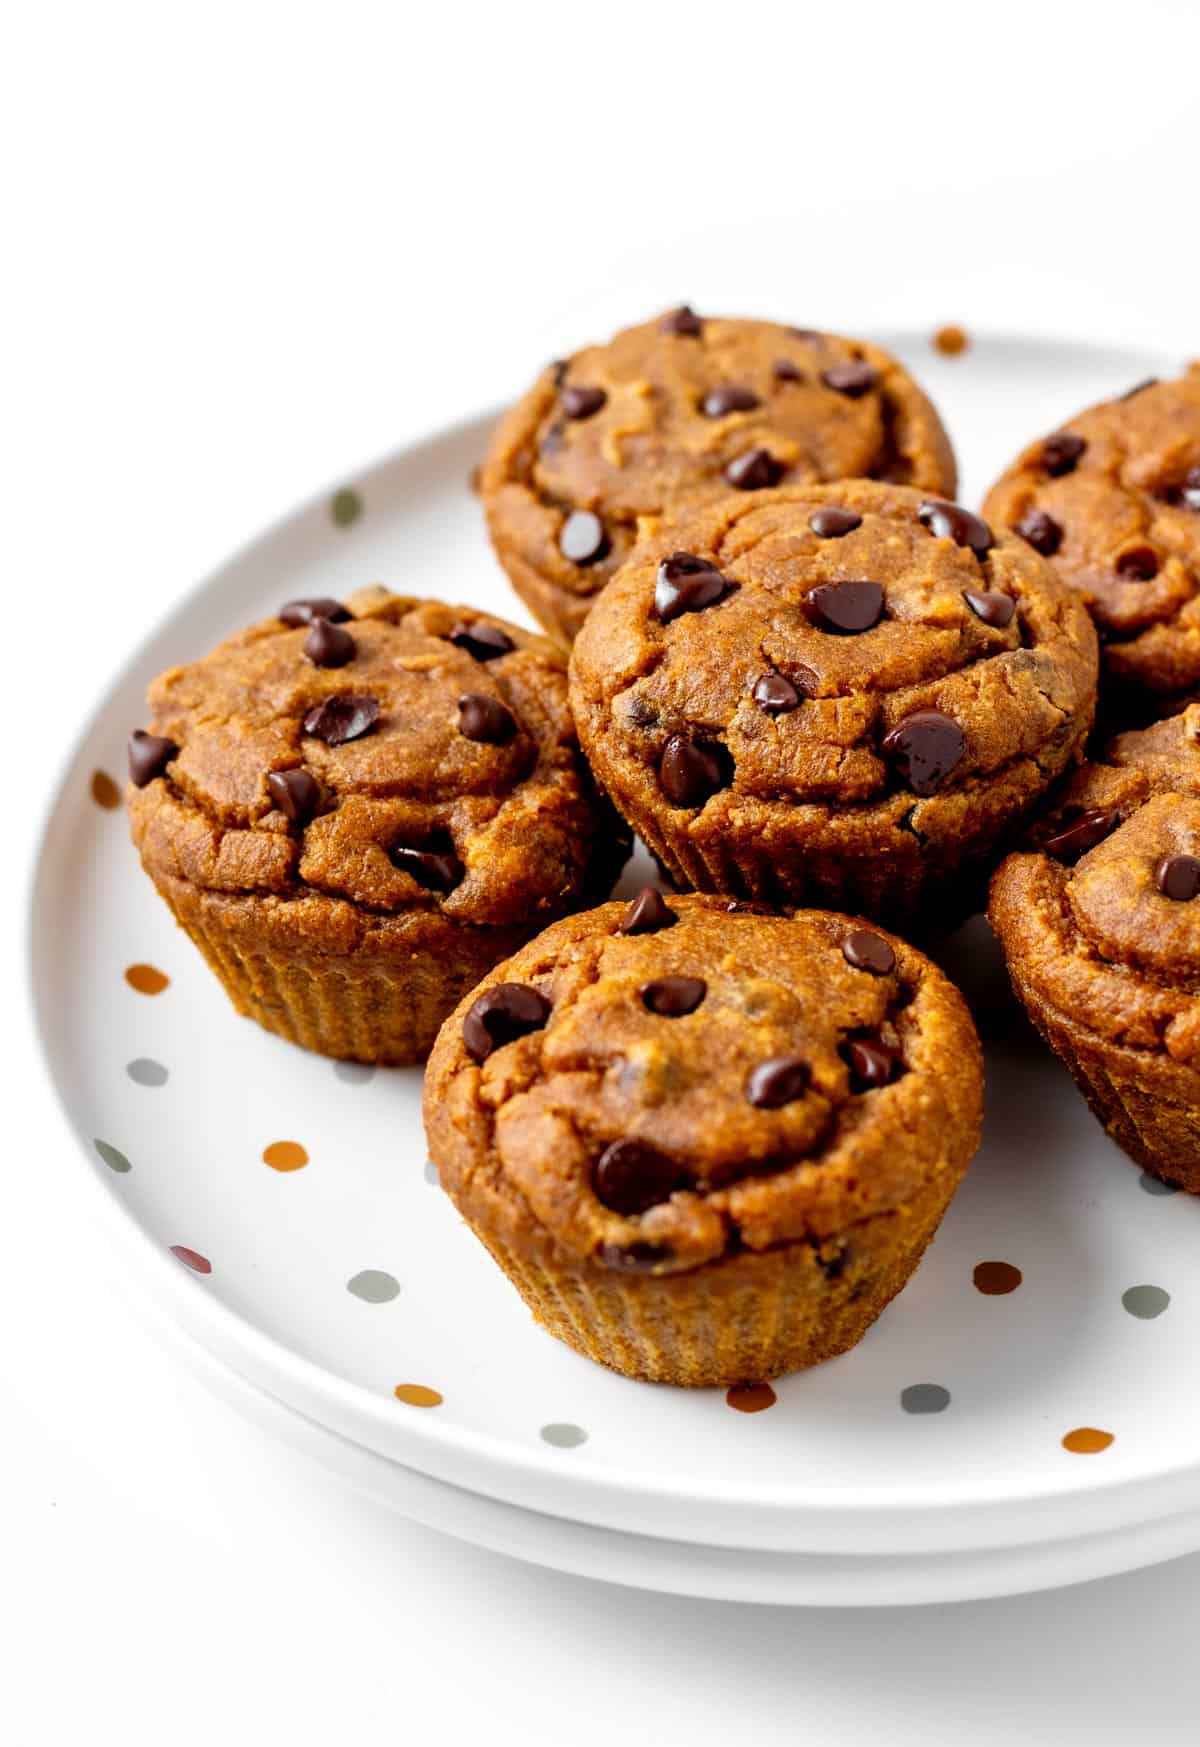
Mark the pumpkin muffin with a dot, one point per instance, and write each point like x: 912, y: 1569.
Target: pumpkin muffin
x: 355, y: 810
x: 1101, y: 930
x: 680, y: 406
x: 707, y: 1144
x: 1112, y: 501
x: 845, y: 695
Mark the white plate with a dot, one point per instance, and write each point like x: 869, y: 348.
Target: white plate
x: 837, y: 1466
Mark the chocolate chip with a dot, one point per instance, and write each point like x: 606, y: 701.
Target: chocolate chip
x: 1138, y: 564
x: 1061, y: 452
x: 1190, y: 490
x: 872, y: 1063
x: 635, y: 1258
x: 691, y: 770
x: 482, y: 641
x: 673, y: 997
x: 500, y: 1015
x: 485, y: 719
x: 683, y: 320
x: 328, y: 645
x: 295, y: 793
x: 631, y: 1175
x: 149, y: 756
x: 729, y: 397
x: 868, y: 952
x: 558, y: 368
x: 925, y: 747
x: 433, y: 869
x: 1040, y: 531
x: 775, y: 694
x: 751, y: 907
x: 754, y: 470
x: 950, y: 521
x: 784, y: 370
x: 830, y: 523
x: 687, y: 584
x: 1146, y: 382
x: 1082, y: 834
x: 340, y: 719
x: 847, y: 607
x: 307, y: 612
x: 994, y: 608
x: 779, y: 1080
x: 647, y: 914
x: 852, y: 379
x: 582, y: 538
x: 1178, y: 877
x: 809, y: 335
x: 579, y: 402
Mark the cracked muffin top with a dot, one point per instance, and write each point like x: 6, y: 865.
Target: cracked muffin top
x: 1112, y: 500
x: 679, y: 406
x: 401, y: 754
x: 651, y: 1086
x: 831, y: 693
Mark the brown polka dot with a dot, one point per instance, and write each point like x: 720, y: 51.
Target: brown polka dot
x: 951, y: 340
x: 997, y: 1278
x: 285, y: 1155
x: 105, y: 792
x: 417, y: 1395
x: 750, y: 1397
x: 1087, y: 1441
x: 145, y: 979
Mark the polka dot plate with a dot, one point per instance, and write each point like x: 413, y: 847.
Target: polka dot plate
x: 1027, y: 1393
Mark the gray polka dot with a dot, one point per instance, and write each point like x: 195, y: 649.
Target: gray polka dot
x: 564, y: 1437
x: 354, y: 1073
x: 924, y: 1398
x: 144, y: 1072
x: 1145, y: 1302
x: 1155, y: 1186
x: 374, y: 1286
x: 431, y: 1174
x: 113, y: 1159
x: 345, y: 507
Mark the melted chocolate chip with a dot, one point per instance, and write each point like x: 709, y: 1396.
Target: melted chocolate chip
x: 994, y: 608
x: 775, y: 694
x: 329, y: 645
x: 1189, y: 492
x: 754, y: 471
x: 784, y: 370
x: 307, y: 612
x: 674, y: 997
x: 1178, y: 877
x: 779, y: 1080
x: 1082, y: 834
x: 729, y: 397
x: 751, y: 907
x: 340, y: 719
x: 683, y: 320
x: 295, y: 793
x: 1138, y: 564
x: 1040, y: 531
x: 852, y: 379
x: 687, y: 584
x: 872, y: 1063
x: 1061, y: 452
x: 691, y: 770
x: 631, y: 1176
x: 482, y: 641
x: 647, y: 914
x: 582, y: 538
x: 433, y: 869
x: 579, y: 402
x: 499, y: 1016
x: 847, y: 607
x: 868, y: 952
x: 635, y: 1258
x: 925, y: 747
x: 485, y: 719
x: 149, y: 756
x: 950, y: 521
x: 830, y: 523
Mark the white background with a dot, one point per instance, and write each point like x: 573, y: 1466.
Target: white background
x: 247, y: 249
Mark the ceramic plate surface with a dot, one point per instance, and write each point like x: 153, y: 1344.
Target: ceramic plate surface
x: 279, y: 1207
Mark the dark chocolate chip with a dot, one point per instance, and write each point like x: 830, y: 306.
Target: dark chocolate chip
x: 1189, y: 493
x: 673, y: 997
x: 950, y: 521
x: 499, y: 1016
x: 582, y: 538
x: 784, y: 370
x: 485, y: 719
x: 1138, y: 564
x: 436, y: 871
x: 872, y: 1063
x: 558, y: 368
x: 851, y: 379
x: 775, y: 694
x: 1146, y: 382
x: 329, y: 645
x: 691, y: 770
x: 925, y: 747
x: 579, y: 402
x: 647, y: 914
x: 830, y: 523
x: 729, y: 397
x: 1082, y: 834
x: 631, y: 1175
x: 847, y: 607
x: 779, y: 1080
x: 1178, y: 877
x: 308, y: 612
x: 683, y: 320
x: 149, y: 756
x: 809, y: 335
x: 635, y: 1258
x: 754, y: 470
x: 482, y: 641
x: 295, y: 793
x: 750, y: 907
x: 994, y: 608
x: 1061, y: 452
x: 1040, y: 531
x: 687, y: 584
x: 340, y: 719
x: 868, y: 952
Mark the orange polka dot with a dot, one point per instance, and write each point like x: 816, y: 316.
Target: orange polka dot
x: 146, y: 980
x: 417, y: 1395
x: 996, y: 1278
x: 751, y: 1397
x: 951, y: 340
x: 1087, y: 1441
x: 285, y: 1155
x: 105, y: 792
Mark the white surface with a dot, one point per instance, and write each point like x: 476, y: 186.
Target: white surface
x: 249, y: 247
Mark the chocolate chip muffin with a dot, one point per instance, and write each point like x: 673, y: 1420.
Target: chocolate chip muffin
x: 1112, y: 501
x: 356, y: 810
x: 835, y: 694
x: 680, y: 406
x: 706, y: 1144
x: 1101, y: 929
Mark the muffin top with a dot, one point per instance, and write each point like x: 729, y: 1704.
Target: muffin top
x: 683, y: 405
x: 1101, y: 911
x: 1113, y: 501
x: 400, y: 754
x: 654, y: 1085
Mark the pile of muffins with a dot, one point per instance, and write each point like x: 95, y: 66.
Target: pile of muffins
x: 708, y: 1132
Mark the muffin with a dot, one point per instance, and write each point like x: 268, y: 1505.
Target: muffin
x: 1101, y: 930
x: 681, y: 406
x: 1112, y: 501
x: 706, y: 1144
x: 843, y: 695
x: 356, y: 810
